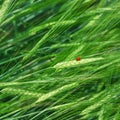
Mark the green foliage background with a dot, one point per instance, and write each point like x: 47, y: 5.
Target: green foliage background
x: 39, y: 76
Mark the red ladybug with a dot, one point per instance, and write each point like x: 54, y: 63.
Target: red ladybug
x: 78, y: 59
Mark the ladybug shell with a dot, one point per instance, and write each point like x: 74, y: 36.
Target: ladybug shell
x: 78, y: 59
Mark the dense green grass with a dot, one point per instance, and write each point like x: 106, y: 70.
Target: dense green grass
x: 40, y: 78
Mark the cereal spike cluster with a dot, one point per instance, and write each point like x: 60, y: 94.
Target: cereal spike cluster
x: 76, y: 63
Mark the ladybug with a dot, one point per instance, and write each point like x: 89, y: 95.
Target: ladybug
x: 78, y: 59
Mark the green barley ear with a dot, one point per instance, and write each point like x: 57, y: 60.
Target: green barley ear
x: 76, y: 63
x: 4, y: 9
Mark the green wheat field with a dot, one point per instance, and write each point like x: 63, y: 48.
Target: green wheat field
x: 59, y: 59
